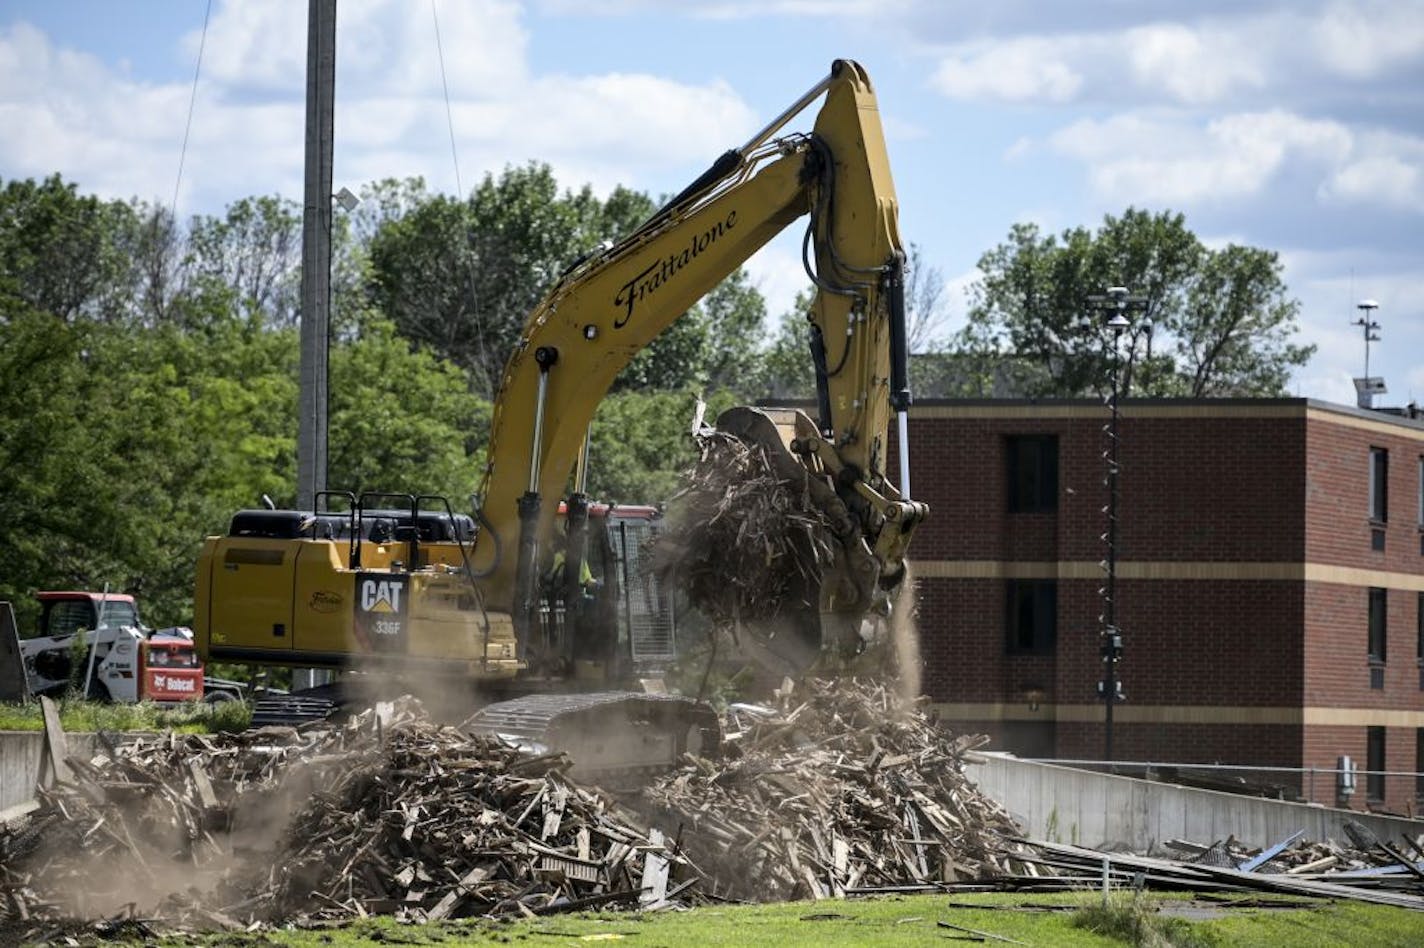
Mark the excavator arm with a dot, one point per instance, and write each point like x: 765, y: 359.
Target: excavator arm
x: 608, y: 307
x: 390, y: 590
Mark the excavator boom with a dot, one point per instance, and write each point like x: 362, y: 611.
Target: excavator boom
x: 411, y: 590
x: 610, y: 306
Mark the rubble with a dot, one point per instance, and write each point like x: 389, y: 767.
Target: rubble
x: 393, y: 815
x: 1381, y: 875
x: 839, y: 789
x: 834, y: 789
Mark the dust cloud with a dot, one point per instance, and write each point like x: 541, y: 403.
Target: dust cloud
x: 905, y: 640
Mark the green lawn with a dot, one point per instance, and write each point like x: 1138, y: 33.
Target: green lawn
x: 909, y: 920
x: 193, y: 717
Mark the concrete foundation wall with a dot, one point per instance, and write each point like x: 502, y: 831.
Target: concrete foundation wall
x: 20, y: 753
x: 1103, y: 811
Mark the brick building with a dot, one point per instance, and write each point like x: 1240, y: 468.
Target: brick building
x: 1270, y: 582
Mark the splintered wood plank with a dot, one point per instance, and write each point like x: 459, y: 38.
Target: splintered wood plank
x: 56, y: 748
x: 456, y: 895
x: 653, y: 889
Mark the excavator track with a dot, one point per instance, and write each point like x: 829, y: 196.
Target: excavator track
x: 610, y: 736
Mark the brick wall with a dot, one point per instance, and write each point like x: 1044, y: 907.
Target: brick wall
x: 1189, y: 489
x: 1325, y: 744
x: 1337, y: 507
x: 1287, y: 486
x: 1186, y: 642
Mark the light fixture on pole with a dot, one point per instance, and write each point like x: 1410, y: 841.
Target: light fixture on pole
x: 348, y: 201
x: 1368, y: 386
x: 1117, y: 303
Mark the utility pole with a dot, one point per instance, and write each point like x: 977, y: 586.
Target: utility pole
x: 316, y: 253
x: 316, y: 269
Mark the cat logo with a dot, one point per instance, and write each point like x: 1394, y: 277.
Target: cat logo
x: 381, y: 596
x: 381, y: 607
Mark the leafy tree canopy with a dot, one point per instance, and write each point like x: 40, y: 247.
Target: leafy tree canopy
x: 1216, y: 322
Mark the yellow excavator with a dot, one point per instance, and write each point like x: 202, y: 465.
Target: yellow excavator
x: 402, y: 583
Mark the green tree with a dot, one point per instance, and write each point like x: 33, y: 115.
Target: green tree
x: 924, y: 303
x: 674, y: 361
x: 1237, y: 339
x: 736, y: 321
x: 61, y: 252
x: 461, y: 276
x: 1216, y: 322
x: 642, y: 442
x: 786, y: 367
x: 125, y: 446
x: 255, y: 250
x: 402, y: 419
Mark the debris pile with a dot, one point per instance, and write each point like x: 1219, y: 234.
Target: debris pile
x: 1378, y: 872
x: 389, y: 813
x: 840, y: 789
x: 142, y: 820
x: 745, y: 541
x: 435, y: 823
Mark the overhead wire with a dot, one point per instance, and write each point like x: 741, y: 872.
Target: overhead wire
x: 192, y: 100
x: 460, y: 196
x: 445, y: 85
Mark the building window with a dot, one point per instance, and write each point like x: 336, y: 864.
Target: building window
x: 1374, y: 764
x: 1033, y: 473
x: 1419, y: 638
x: 1032, y: 617
x: 1419, y: 765
x: 1379, y: 485
x: 1378, y: 604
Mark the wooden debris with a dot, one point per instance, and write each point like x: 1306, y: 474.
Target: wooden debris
x: 840, y: 788
x: 745, y: 542
x: 388, y: 814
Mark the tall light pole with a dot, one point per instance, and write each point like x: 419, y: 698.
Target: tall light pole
x: 1116, y: 305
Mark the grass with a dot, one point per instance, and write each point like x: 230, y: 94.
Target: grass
x: 192, y: 717
x: 1065, y: 919
x: 1135, y: 919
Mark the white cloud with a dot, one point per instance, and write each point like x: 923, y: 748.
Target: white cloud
x: 1272, y: 53
x: 1192, y: 65
x: 71, y: 112
x: 1020, y: 70
x: 777, y: 272
x: 1363, y: 40
x: 881, y: 10
x: 1329, y: 284
x: 1380, y: 179
x: 1171, y: 160
x: 259, y: 44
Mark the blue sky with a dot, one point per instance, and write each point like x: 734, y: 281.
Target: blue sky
x: 1293, y: 126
